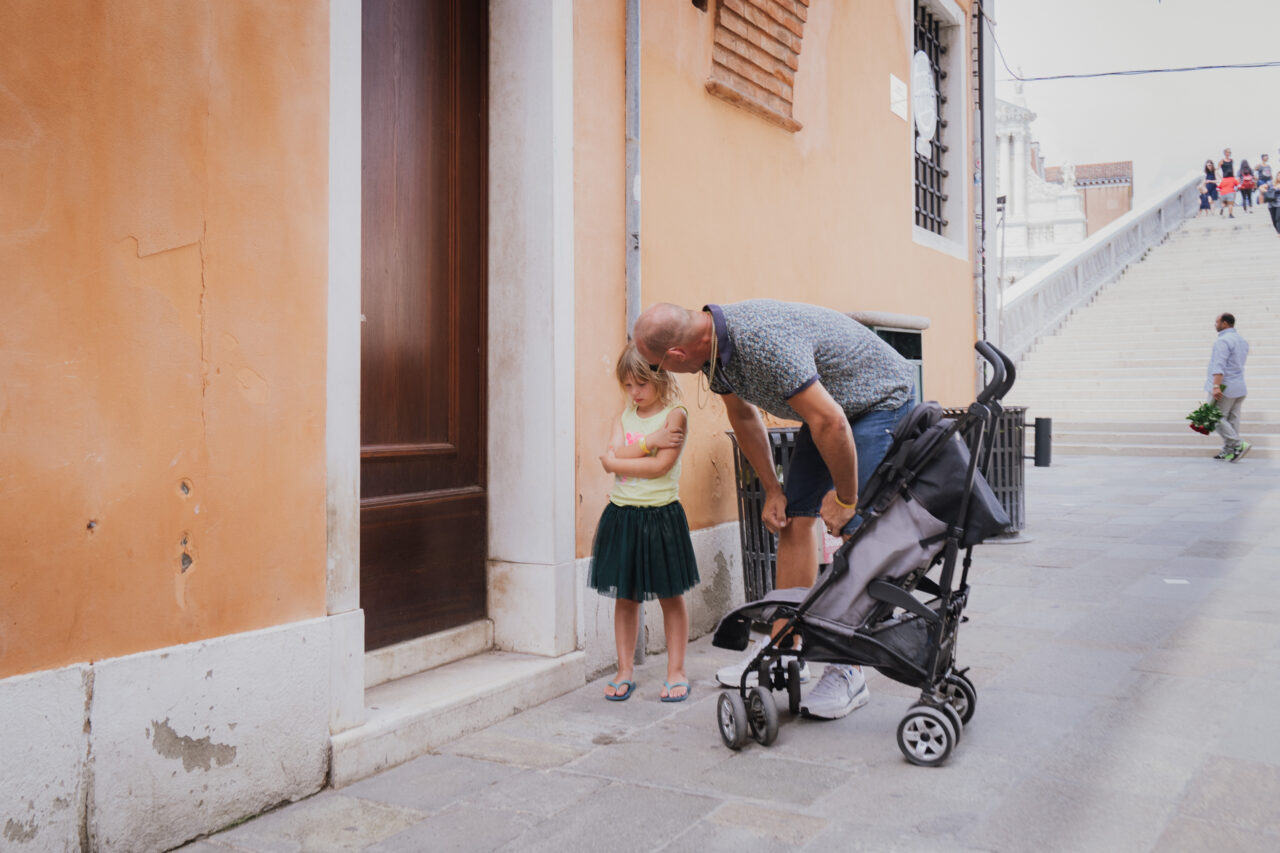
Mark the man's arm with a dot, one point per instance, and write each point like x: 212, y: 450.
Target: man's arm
x: 753, y: 441
x: 1218, y: 364
x: 831, y: 433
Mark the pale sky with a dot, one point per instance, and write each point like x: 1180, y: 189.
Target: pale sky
x: 1167, y: 124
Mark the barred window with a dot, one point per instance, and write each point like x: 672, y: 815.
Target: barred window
x: 930, y: 176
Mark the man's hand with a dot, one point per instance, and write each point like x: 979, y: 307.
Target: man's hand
x: 835, y: 516
x: 774, y: 514
x: 1217, y: 394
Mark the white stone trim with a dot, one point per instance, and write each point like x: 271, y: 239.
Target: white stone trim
x: 532, y: 457
x: 956, y: 112
x: 147, y: 751
x: 423, y: 653
x: 44, y: 746
x: 342, y: 365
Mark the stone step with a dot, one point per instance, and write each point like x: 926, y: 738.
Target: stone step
x: 1257, y: 453
x: 1152, y: 427
x: 1119, y: 327
x: 1264, y: 375
x: 1184, y: 438
x: 1110, y: 409
x: 1114, y: 391
x: 414, y: 715
x: 1121, y: 373
x: 1100, y: 334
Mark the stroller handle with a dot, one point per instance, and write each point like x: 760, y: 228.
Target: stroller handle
x: 1002, y: 370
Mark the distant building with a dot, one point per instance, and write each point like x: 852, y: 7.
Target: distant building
x: 1041, y: 219
x: 1107, y: 188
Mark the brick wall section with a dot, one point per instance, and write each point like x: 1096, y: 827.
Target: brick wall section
x: 756, y: 56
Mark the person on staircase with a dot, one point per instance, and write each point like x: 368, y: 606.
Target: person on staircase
x: 1211, y: 180
x: 1226, y: 385
x: 1248, y: 183
x: 1226, y: 165
x: 1227, y: 190
x: 1263, y: 171
x: 1271, y: 198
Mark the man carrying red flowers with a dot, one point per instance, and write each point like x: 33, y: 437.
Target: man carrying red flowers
x: 1226, y: 370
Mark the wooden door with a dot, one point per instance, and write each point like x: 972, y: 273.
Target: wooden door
x: 423, y: 521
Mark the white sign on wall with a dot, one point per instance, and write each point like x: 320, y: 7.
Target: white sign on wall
x: 898, y: 97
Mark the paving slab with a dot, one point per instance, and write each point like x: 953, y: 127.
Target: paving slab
x: 1127, y: 661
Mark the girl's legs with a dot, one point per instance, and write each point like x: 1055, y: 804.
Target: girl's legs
x: 675, y: 623
x: 626, y: 619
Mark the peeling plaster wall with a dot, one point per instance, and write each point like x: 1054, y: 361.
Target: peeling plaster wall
x: 163, y: 233
x: 144, y: 752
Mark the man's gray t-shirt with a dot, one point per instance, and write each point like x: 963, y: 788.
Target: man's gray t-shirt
x: 769, y: 351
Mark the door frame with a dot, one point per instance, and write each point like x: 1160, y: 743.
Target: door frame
x: 532, y: 589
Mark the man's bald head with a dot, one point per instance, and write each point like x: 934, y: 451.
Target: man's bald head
x: 673, y: 336
x: 663, y: 326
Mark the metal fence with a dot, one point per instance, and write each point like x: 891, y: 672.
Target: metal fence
x: 1006, y: 473
x: 759, y: 546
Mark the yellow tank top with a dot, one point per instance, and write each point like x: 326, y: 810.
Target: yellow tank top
x: 639, y: 491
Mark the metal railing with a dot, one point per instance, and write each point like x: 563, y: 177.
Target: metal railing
x: 1036, y: 305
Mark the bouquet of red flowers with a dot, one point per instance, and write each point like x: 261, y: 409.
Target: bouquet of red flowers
x: 1205, y: 419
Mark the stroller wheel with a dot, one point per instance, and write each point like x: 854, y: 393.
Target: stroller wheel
x: 926, y: 736
x: 731, y: 714
x: 763, y: 715
x: 793, y: 686
x: 956, y: 723
x: 960, y: 694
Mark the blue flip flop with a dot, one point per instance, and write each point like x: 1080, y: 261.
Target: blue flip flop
x: 670, y: 687
x: 621, y: 697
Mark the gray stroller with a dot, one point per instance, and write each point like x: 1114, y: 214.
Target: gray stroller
x: 877, y: 604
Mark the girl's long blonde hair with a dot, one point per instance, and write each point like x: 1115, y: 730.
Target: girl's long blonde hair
x: 631, y: 364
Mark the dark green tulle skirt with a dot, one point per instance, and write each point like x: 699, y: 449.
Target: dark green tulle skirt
x: 643, y: 552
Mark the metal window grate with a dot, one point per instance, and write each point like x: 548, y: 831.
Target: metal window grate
x: 930, y: 176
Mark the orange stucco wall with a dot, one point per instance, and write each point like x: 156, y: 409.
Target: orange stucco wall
x: 163, y: 216
x: 736, y: 208
x: 600, y: 119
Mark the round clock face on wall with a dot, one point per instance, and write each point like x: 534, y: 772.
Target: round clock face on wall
x: 924, y: 102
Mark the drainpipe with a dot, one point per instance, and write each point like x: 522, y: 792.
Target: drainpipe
x: 988, y: 204
x: 633, y: 209
x: 633, y: 162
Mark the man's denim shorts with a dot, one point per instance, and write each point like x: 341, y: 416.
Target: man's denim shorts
x: 808, y: 480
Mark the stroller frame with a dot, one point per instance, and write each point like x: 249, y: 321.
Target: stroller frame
x: 932, y: 727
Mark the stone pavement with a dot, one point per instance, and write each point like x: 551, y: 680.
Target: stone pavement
x: 1127, y: 662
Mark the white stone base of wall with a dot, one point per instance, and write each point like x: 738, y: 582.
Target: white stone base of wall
x: 719, y: 553
x: 144, y: 752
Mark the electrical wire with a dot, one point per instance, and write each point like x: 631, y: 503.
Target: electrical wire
x: 1128, y: 73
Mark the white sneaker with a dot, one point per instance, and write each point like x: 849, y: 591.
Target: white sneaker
x: 841, y: 690
x: 730, y: 675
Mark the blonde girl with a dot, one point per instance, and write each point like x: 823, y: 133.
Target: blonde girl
x: 642, y: 548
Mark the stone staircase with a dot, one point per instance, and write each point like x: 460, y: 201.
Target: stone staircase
x: 1122, y: 373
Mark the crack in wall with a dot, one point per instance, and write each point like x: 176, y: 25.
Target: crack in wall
x: 86, y: 805
x: 204, y: 336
